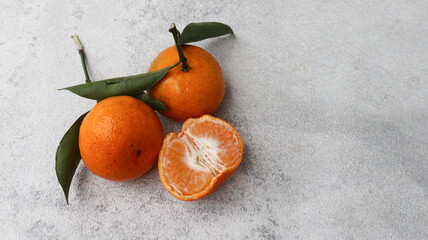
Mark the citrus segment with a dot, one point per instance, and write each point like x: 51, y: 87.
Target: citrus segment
x: 189, y: 177
x: 218, y: 140
x: 197, y: 160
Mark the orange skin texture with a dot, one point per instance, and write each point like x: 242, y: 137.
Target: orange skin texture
x: 217, y: 181
x: 120, y: 138
x: 188, y: 94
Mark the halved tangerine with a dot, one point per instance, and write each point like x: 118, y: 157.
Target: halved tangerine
x: 196, y: 161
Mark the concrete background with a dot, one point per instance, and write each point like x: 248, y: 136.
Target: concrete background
x: 330, y: 98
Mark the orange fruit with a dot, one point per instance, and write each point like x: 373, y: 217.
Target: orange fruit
x: 120, y: 138
x: 188, y: 94
x: 196, y: 161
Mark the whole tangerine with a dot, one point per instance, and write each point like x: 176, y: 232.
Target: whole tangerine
x: 189, y: 94
x: 120, y: 138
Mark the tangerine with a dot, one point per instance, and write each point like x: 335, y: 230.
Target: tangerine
x: 120, y: 138
x: 196, y: 161
x: 188, y: 94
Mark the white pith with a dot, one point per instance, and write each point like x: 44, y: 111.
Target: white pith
x: 203, y: 153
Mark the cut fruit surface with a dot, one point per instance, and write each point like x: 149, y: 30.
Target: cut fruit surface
x: 196, y: 161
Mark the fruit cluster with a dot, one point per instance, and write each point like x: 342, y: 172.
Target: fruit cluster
x: 121, y: 138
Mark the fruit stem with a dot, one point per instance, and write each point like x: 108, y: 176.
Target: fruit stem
x: 184, y: 66
x: 82, y: 57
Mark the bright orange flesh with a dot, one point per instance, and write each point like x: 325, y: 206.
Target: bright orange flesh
x: 196, y: 161
x: 120, y: 138
x: 188, y: 94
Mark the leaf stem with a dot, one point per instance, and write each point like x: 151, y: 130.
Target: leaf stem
x: 175, y: 65
x: 82, y: 57
x: 176, y: 34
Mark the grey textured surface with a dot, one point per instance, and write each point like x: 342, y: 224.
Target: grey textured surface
x: 330, y: 98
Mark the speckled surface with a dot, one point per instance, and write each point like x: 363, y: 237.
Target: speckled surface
x: 330, y: 98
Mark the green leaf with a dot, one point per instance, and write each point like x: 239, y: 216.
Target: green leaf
x: 151, y: 101
x: 68, y: 156
x: 199, y: 31
x: 118, y: 86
